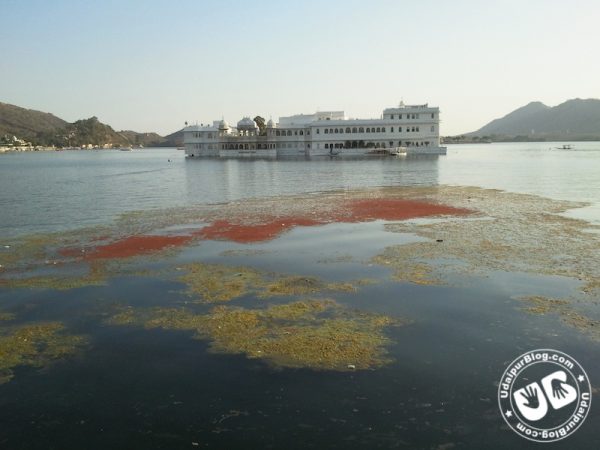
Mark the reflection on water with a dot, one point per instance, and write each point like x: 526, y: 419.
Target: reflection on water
x: 240, y: 178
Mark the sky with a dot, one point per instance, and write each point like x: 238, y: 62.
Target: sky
x: 153, y: 65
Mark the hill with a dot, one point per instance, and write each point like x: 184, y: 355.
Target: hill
x: 92, y: 131
x: 27, y: 124
x: 577, y: 119
x: 173, y: 139
x: 45, y: 129
x: 145, y: 139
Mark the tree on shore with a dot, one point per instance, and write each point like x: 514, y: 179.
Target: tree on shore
x: 260, y: 121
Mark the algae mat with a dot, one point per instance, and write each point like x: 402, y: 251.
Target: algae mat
x: 315, y: 334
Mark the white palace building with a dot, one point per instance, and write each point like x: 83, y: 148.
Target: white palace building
x: 404, y: 129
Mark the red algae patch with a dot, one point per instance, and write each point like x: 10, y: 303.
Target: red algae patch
x: 136, y: 246
x: 397, y: 209
x: 361, y: 210
x: 266, y: 231
x: 261, y: 226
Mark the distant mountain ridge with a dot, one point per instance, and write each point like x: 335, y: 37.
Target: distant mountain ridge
x: 27, y: 123
x: 577, y: 119
x: 45, y: 129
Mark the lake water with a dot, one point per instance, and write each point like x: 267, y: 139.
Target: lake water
x: 139, y: 388
x: 53, y: 191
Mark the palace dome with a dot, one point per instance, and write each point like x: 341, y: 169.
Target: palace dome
x: 270, y: 124
x: 247, y: 124
x: 223, y: 125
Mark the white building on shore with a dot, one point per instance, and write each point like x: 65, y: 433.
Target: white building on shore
x: 406, y: 128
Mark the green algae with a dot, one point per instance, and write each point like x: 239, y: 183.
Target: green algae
x: 512, y: 233
x: 214, y: 283
x: 35, y: 345
x: 4, y: 316
x: 543, y: 305
x: 302, y: 285
x: 565, y: 310
x: 220, y: 283
x: 315, y: 334
x: 95, y: 276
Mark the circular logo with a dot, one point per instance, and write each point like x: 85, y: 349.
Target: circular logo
x: 544, y: 395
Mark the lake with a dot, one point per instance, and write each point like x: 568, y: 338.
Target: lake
x: 153, y: 301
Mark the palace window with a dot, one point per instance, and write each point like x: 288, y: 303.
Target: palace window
x: 361, y: 130
x: 326, y: 131
x: 277, y: 133
x: 295, y: 133
x: 432, y: 116
x: 432, y: 128
x: 289, y: 133
x: 378, y: 130
x: 301, y: 133
x: 354, y: 130
x: 326, y: 145
x: 392, y: 116
x: 383, y: 130
x: 392, y: 129
x: 348, y: 130
x: 368, y: 130
x: 331, y: 131
x: 417, y: 128
x: 400, y: 117
x: 336, y: 130
x: 399, y: 129
x: 318, y: 131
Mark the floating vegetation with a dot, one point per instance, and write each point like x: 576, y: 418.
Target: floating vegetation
x: 302, y: 285
x: 96, y: 276
x: 566, y: 311
x: 133, y: 246
x: 316, y: 334
x: 36, y: 345
x: 513, y: 233
x: 543, y: 305
x: 220, y: 283
x: 142, y: 234
x: 26, y: 250
x: 4, y: 316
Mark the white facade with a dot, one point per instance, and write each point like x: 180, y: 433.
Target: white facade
x: 415, y: 127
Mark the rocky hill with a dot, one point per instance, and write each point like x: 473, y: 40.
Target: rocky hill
x: 575, y: 119
x: 45, y: 129
x: 145, y: 139
x: 27, y: 124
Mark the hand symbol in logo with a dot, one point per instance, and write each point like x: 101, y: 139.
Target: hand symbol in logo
x: 531, y: 402
x: 559, y: 392
x: 531, y: 397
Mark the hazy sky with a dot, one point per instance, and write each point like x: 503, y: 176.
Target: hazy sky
x: 151, y: 65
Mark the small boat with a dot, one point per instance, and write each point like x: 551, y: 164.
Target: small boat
x: 126, y: 149
x: 565, y: 147
x: 399, y: 151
